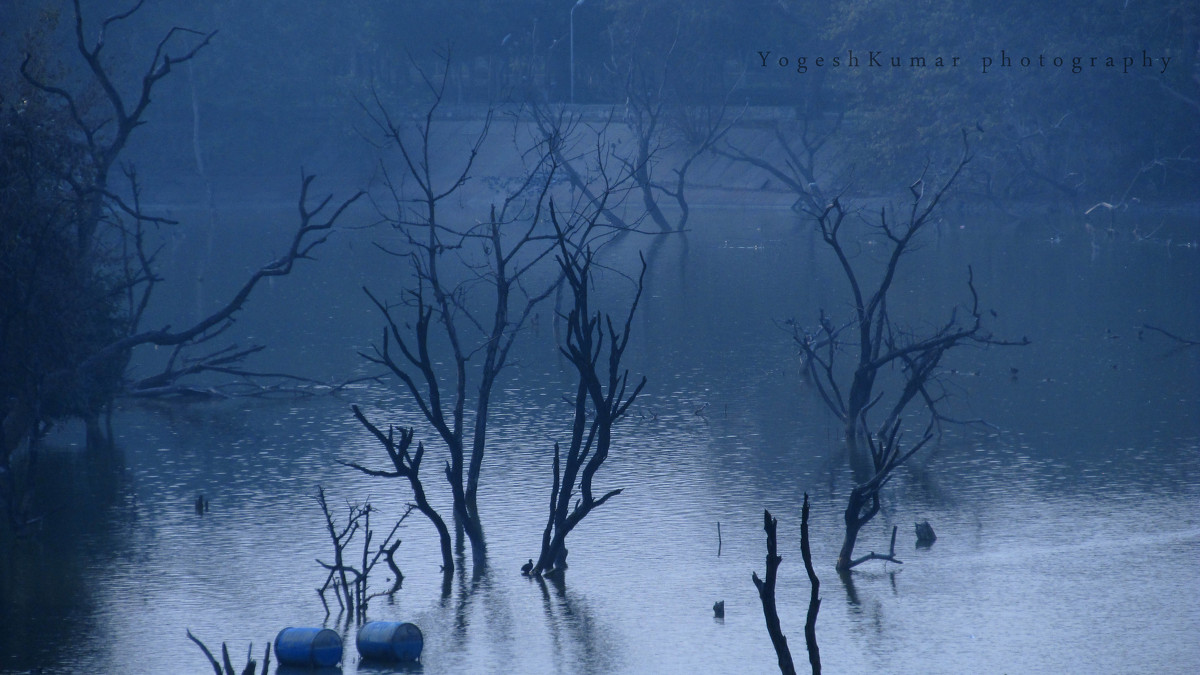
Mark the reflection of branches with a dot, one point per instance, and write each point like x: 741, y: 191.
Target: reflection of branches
x: 1183, y: 340
x: 572, y: 624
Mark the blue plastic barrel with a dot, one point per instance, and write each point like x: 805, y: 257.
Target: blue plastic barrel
x: 308, y: 647
x: 390, y: 641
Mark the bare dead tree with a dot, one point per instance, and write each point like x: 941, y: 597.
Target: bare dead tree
x: 814, y: 598
x: 106, y: 139
x: 110, y: 239
x: 803, y: 143
x: 251, y: 665
x: 883, y: 346
x: 311, y: 233
x: 766, y: 593
x: 586, y: 166
x: 1032, y: 145
x: 1028, y: 163
x: 350, y: 584
x: 879, y: 342
x: 459, y: 269
x: 647, y: 116
x: 78, y: 141
x: 659, y: 124
x: 408, y: 466
x: 453, y: 281
x: 314, y: 229
x: 602, y: 396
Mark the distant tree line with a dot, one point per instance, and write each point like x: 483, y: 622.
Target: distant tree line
x: 1050, y: 134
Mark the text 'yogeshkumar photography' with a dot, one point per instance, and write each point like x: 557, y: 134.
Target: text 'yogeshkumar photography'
x: 877, y: 59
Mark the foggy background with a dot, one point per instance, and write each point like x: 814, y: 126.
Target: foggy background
x: 1067, y: 529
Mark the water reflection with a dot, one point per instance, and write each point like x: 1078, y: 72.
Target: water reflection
x: 577, y: 638
x: 367, y: 667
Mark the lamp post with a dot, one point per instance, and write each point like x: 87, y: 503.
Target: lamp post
x: 572, y: 15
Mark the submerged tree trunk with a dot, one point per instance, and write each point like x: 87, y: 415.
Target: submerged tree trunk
x: 855, y: 517
x: 814, y: 598
x: 766, y: 594
x: 602, y: 398
x: 863, y: 504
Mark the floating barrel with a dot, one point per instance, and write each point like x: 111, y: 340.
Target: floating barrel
x: 308, y: 647
x: 390, y: 641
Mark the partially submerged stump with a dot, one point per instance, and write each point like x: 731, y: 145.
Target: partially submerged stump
x: 925, y: 535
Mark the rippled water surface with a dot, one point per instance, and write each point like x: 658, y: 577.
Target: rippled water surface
x: 1068, y: 528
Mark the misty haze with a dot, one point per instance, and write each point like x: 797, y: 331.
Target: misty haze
x: 599, y: 336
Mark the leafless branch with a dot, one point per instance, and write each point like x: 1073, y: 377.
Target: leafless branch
x: 766, y: 594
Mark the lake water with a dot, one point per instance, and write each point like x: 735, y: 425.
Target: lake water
x: 1068, y: 532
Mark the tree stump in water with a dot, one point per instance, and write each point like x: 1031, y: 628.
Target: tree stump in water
x: 925, y: 535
